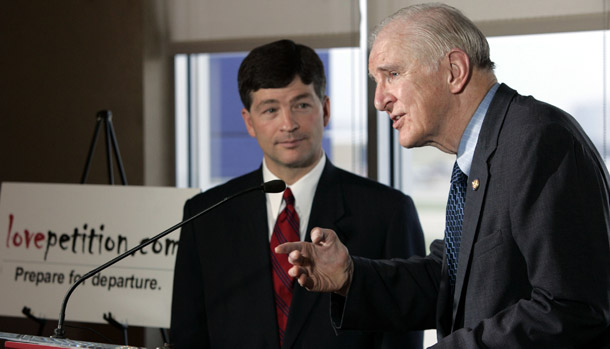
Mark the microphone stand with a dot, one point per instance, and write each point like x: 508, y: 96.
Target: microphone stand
x: 40, y: 321
x: 274, y: 186
x: 108, y: 317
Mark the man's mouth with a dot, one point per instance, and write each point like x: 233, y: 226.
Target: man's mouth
x: 395, y: 119
x: 290, y: 142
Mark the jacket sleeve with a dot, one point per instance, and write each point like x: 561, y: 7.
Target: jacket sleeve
x: 392, y: 294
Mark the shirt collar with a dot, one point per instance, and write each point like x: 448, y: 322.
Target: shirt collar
x: 303, y: 190
x: 468, y: 143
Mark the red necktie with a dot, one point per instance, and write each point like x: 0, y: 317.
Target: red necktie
x: 286, y: 230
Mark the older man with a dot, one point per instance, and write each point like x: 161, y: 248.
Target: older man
x: 525, y: 262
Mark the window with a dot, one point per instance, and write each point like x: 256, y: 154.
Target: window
x: 212, y: 142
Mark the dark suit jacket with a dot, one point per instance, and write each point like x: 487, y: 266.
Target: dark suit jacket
x: 223, y: 295
x: 534, y: 263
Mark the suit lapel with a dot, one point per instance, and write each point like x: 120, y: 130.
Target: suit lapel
x: 328, y: 207
x: 475, y: 195
x: 327, y: 212
x: 253, y: 247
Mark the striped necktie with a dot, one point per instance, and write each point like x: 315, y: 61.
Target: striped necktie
x: 454, y: 220
x: 286, y: 230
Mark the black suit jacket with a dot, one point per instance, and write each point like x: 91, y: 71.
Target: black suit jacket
x: 223, y: 295
x: 534, y: 263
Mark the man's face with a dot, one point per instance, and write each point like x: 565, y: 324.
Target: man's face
x: 410, y: 92
x: 288, y: 124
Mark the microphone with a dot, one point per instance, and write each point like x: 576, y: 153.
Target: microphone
x: 274, y: 186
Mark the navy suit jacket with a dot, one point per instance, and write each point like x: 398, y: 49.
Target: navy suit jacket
x: 223, y: 295
x: 534, y: 262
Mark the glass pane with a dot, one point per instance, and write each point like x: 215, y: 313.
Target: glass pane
x: 219, y: 143
x: 565, y: 69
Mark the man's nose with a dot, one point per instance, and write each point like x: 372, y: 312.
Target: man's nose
x: 383, y: 99
x: 288, y: 121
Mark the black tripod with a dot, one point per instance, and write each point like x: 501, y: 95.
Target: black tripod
x: 106, y: 117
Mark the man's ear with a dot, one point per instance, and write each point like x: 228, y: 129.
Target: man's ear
x: 245, y: 114
x: 326, y: 110
x: 459, y: 70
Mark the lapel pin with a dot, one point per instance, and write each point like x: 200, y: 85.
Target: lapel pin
x: 475, y: 184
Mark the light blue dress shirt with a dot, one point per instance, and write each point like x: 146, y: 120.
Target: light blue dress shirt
x: 468, y: 143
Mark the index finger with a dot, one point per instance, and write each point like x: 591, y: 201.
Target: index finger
x: 288, y: 247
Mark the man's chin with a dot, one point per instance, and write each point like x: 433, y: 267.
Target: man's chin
x: 408, y: 143
x: 298, y: 162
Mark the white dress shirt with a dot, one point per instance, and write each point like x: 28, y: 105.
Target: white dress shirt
x: 303, y: 190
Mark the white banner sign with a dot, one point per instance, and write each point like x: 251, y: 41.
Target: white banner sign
x: 52, y: 234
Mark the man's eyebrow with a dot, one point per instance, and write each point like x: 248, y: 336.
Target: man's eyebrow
x: 301, y: 96
x: 389, y: 67
x: 383, y: 69
x: 272, y: 101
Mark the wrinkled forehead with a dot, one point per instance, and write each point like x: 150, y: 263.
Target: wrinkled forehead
x: 390, y: 47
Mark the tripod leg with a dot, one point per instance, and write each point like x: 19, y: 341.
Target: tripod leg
x: 109, y: 151
x: 117, y: 154
x: 164, y: 336
x: 125, y: 335
x: 91, y: 150
x: 105, y: 115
